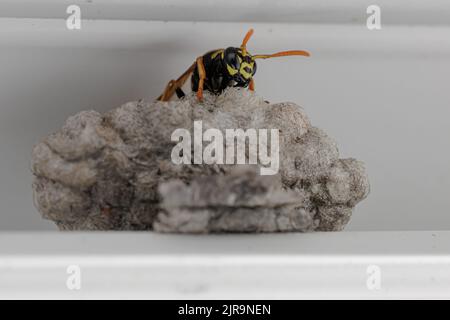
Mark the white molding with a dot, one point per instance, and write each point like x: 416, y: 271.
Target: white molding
x: 270, y: 266
x: 400, y: 12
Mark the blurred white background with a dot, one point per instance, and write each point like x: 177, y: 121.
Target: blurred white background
x: 383, y: 95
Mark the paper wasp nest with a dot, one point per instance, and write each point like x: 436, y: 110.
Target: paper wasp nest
x: 114, y: 172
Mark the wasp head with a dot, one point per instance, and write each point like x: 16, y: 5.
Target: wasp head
x: 240, y: 65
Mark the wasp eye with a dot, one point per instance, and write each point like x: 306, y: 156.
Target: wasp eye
x: 231, y: 57
x: 254, y: 69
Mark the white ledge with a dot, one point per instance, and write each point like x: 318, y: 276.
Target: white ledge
x: 268, y: 266
x: 399, y: 12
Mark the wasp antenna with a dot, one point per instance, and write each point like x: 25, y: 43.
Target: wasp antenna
x: 282, y: 54
x: 246, y: 38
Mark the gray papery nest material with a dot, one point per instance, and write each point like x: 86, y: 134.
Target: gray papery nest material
x: 114, y: 172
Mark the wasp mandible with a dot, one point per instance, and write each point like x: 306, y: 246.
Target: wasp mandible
x: 222, y: 68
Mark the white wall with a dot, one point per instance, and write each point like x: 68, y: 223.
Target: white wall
x: 382, y: 94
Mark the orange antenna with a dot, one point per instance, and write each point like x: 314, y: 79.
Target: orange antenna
x: 282, y: 54
x: 246, y: 38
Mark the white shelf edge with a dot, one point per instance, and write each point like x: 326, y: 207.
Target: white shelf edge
x: 400, y: 12
x: 289, y: 266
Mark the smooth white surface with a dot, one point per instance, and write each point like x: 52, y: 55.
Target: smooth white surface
x: 383, y: 95
x: 290, y: 266
x: 398, y: 12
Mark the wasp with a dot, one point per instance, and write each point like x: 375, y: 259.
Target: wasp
x: 218, y: 69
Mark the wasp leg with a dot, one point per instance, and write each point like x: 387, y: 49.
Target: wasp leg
x: 202, y: 76
x: 251, y: 86
x: 167, y: 94
x: 175, y: 85
x: 180, y: 93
